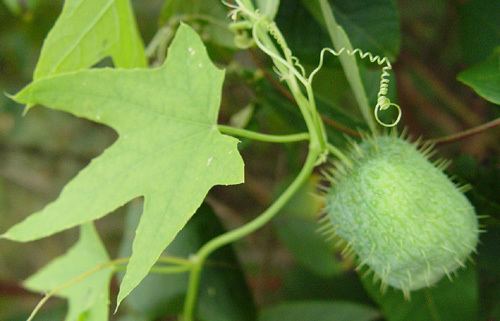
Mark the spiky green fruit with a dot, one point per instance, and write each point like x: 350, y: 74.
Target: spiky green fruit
x: 400, y: 214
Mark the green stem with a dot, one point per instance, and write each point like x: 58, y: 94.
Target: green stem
x: 263, y: 137
x: 162, y: 269
x: 231, y: 236
x: 174, y: 260
x: 320, y: 127
x: 306, y: 103
x: 317, y: 145
x: 307, y: 111
x: 170, y: 269
x: 286, y: 64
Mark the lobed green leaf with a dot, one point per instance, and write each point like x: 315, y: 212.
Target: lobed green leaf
x: 169, y: 150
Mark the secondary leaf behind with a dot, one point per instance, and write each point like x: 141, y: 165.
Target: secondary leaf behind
x: 90, y: 296
x: 87, y: 31
x: 484, y: 78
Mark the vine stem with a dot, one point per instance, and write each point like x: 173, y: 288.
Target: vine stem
x: 263, y: 137
x: 163, y: 269
x: 466, y: 133
x: 236, y: 234
x: 284, y: 92
x: 285, y: 64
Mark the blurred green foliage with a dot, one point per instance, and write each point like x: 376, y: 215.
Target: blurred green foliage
x: 283, y: 268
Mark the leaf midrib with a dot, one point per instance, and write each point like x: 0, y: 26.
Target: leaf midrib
x: 126, y: 105
x: 92, y: 24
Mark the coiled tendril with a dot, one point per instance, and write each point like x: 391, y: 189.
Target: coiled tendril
x: 383, y: 103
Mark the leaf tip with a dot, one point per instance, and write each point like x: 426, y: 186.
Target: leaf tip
x: 122, y: 294
x: 10, y: 96
x: 7, y: 236
x: 17, y: 234
x: 117, y: 307
x: 184, y: 26
x: 18, y: 98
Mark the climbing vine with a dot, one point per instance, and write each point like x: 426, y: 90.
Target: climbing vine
x: 389, y: 208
